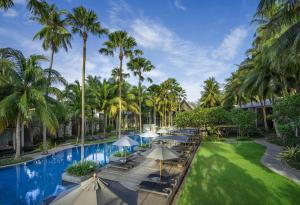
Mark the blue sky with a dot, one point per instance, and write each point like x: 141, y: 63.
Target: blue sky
x: 189, y: 40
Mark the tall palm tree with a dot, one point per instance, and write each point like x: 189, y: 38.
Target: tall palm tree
x: 139, y: 66
x: 121, y: 43
x: 83, y: 22
x: 55, y: 36
x: 25, y: 82
x: 211, y: 94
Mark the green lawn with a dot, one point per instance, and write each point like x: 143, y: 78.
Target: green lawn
x: 224, y: 173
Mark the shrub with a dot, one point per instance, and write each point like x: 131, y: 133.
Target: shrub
x: 121, y: 154
x: 82, y: 169
x: 246, y: 120
x: 290, y: 153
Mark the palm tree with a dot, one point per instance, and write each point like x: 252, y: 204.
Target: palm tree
x: 211, y: 94
x: 153, y: 99
x: 6, y: 4
x: 139, y: 66
x: 25, y: 83
x: 54, y: 35
x: 72, y: 99
x: 119, y: 42
x: 84, y: 22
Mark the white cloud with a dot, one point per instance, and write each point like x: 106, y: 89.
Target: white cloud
x: 231, y: 43
x: 192, y: 63
x: 178, y: 4
x: 11, y: 13
x: 20, y: 2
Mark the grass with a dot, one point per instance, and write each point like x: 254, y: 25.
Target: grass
x: 231, y: 173
x: 12, y: 160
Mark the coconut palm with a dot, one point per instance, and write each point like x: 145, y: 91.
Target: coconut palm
x: 6, y: 4
x: 55, y: 36
x: 211, y: 94
x: 25, y: 82
x: 84, y: 22
x: 139, y: 66
x: 121, y: 43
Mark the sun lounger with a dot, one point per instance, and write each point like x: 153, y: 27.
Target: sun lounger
x: 121, y: 165
x: 156, y: 188
x: 164, y: 179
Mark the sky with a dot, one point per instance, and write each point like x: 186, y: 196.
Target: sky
x: 189, y: 40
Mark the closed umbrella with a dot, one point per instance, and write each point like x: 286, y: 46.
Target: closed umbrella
x: 125, y: 141
x: 162, y: 153
x: 92, y: 192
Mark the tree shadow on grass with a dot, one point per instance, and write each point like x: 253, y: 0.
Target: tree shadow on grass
x: 214, y: 180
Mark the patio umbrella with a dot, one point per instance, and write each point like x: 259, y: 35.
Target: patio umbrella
x: 162, y: 153
x: 148, y: 134
x: 125, y: 141
x: 92, y: 192
x: 162, y: 131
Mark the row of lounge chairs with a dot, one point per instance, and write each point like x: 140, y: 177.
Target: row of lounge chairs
x: 165, y: 185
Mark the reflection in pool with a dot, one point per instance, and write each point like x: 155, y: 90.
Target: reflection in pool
x: 33, y: 182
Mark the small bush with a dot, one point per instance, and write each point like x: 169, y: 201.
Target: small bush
x: 145, y: 145
x: 82, y: 169
x: 121, y: 154
x: 291, y: 153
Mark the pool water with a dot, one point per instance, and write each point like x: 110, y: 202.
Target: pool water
x: 33, y: 182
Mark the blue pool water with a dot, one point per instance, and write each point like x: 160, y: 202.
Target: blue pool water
x: 31, y: 183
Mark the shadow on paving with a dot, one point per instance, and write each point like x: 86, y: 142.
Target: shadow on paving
x: 128, y: 196
x: 213, y: 179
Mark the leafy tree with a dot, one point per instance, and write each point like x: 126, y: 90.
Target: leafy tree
x: 211, y: 94
x: 25, y: 82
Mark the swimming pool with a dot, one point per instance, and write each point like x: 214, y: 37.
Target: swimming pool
x: 33, y: 182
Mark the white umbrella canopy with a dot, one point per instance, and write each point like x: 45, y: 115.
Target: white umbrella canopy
x: 149, y: 134
x: 125, y: 142
x: 162, y: 131
x: 92, y: 192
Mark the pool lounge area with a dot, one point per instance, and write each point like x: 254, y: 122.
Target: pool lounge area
x: 33, y: 182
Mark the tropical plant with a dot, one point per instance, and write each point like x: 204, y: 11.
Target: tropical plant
x: 84, y: 22
x: 82, y: 169
x: 54, y: 35
x: 24, y: 82
x: 139, y: 66
x: 119, y: 42
x: 211, y: 94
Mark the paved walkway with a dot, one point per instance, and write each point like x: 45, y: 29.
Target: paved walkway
x: 272, y: 160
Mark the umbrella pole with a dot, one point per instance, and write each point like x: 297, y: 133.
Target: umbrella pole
x: 160, y: 168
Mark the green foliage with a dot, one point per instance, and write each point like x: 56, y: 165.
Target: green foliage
x: 121, y: 154
x: 291, y: 153
x: 246, y: 120
x: 82, y: 169
x: 286, y: 112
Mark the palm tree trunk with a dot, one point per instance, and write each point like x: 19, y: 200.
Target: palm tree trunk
x: 45, y: 145
x: 93, y: 127
x: 82, y: 98
x: 18, y: 136
x: 264, y: 115
x: 120, y: 94
x: 105, y: 124
x: 140, y: 104
x: 154, y: 115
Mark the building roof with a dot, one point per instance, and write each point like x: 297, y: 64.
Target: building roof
x: 268, y: 103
